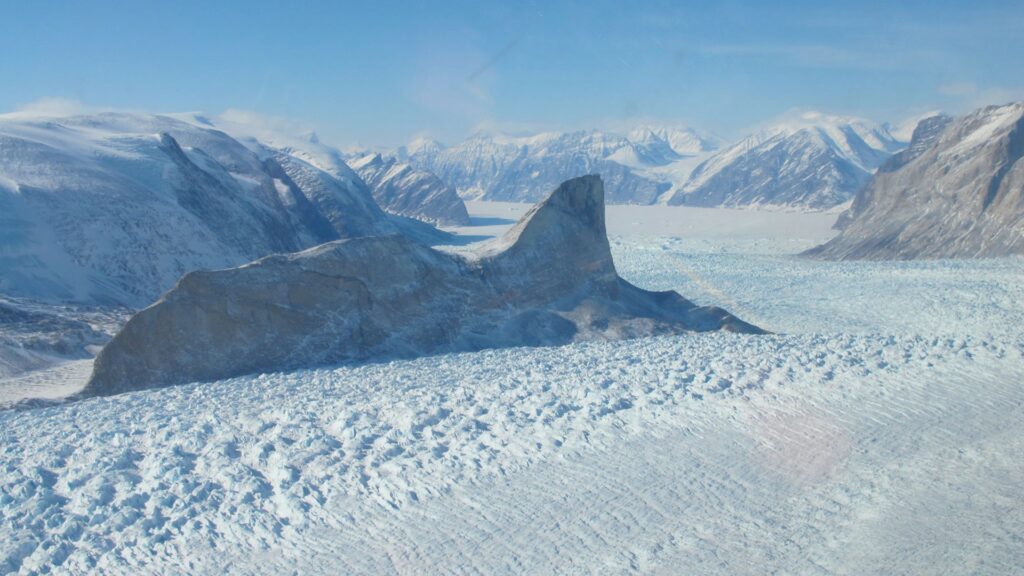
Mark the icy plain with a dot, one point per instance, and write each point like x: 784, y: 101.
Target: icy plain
x: 878, y: 431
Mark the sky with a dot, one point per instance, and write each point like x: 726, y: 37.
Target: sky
x: 379, y: 73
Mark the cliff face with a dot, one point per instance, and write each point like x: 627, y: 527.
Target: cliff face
x: 550, y: 280
x: 957, y: 192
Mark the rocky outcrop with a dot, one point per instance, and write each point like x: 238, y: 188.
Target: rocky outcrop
x: 957, y: 192
x: 550, y: 280
x: 401, y: 189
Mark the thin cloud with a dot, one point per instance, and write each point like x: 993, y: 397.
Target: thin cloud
x: 51, y: 107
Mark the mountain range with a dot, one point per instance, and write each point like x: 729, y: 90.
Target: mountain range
x: 494, y: 166
x: 956, y: 192
x: 814, y: 161
x: 810, y: 161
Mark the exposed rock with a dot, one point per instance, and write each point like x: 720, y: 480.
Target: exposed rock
x: 401, y: 189
x: 958, y: 192
x: 924, y: 136
x: 550, y: 280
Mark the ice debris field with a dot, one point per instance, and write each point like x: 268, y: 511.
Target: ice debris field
x: 879, y: 430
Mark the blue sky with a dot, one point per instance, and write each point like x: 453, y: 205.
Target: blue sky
x: 377, y: 73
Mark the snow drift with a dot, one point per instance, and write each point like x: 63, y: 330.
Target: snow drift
x: 550, y: 280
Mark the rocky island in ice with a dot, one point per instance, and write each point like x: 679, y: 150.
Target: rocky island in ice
x: 550, y: 280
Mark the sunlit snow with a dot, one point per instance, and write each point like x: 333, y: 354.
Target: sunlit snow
x: 878, y: 431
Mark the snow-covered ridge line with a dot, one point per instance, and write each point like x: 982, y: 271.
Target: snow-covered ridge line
x: 812, y: 161
x: 497, y: 166
x: 808, y: 161
x: 401, y: 189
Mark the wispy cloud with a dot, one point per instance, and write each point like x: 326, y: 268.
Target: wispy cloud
x: 52, y: 107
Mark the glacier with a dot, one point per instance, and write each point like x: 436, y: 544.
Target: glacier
x: 877, y: 431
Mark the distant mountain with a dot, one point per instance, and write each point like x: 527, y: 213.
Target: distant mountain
x: 814, y: 161
x: 956, y: 192
x: 116, y: 207
x: 401, y: 189
x: 519, y: 168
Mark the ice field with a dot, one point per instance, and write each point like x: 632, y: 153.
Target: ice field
x: 878, y: 431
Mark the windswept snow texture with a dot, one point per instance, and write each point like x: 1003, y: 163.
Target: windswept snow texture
x: 114, y: 208
x: 550, y: 280
x: 401, y: 189
x: 881, y: 433
x: 813, y: 161
x: 958, y: 192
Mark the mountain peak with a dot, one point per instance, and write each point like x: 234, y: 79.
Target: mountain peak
x: 566, y: 229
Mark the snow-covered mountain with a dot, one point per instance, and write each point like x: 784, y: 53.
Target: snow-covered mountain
x: 957, y: 192
x: 812, y: 161
x: 492, y: 166
x: 809, y: 161
x: 401, y: 189
x: 115, y: 207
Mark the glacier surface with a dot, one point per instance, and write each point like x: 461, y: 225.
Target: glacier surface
x: 879, y: 432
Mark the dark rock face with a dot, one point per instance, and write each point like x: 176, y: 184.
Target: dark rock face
x: 550, y: 280
x: 926, y: 134
x: 956, y: 192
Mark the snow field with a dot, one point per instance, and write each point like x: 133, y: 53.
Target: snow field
x: 879, y: 432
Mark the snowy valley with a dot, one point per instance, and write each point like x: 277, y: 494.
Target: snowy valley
x: 874, y: 429
x: 877, y: 431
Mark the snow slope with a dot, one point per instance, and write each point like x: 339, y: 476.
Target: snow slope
x: 879, y: 433
x: 115, y: 207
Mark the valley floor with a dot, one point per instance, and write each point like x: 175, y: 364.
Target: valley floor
x: 879, y: 430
